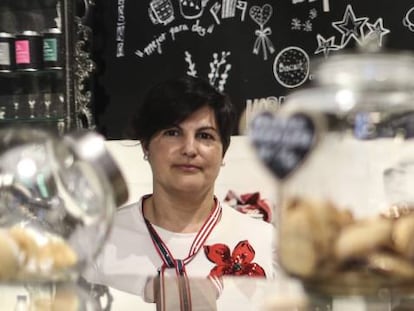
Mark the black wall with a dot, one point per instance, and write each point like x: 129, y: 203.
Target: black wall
x: 135, y: 48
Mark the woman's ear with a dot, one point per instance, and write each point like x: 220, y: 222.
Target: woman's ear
x: 144, y: 150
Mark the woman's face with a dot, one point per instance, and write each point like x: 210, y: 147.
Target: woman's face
x: 188, y: 156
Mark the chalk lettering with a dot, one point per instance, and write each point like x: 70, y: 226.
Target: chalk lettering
x: 291, y: 67
x: 121, y: 16
x: 120, y: 49
x: 177, y: 29
x: 153, y: 46
x: 198, y: 29
x: 120, y: 29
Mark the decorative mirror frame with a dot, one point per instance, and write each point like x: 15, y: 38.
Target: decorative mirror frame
x: 79, y: 64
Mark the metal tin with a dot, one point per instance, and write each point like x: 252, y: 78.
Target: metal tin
x: 52, y: 49
x: 7, y: 59
x: 28, y: 51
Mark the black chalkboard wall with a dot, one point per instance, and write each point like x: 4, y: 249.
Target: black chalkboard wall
x: 253, y: 50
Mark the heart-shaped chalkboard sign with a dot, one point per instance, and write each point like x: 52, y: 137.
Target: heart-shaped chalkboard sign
x: 282, y: 143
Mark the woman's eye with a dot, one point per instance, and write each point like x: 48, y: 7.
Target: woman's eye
x: 171, y: 132
x: 206, y: 136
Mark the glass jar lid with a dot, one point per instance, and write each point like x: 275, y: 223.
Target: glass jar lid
x: 382, y: 70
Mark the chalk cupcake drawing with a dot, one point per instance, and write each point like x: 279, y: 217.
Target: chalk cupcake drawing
x: 261, y: 15
x: 192, y: 9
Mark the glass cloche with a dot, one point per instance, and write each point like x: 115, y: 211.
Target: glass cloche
x: 342, y: 153
x: 57, y: 199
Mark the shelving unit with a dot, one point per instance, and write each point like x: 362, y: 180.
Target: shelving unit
x: 40, y: 93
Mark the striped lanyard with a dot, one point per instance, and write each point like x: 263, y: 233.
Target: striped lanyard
x: 179, y: 264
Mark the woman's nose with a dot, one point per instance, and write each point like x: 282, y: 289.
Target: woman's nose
x: 189, y: 147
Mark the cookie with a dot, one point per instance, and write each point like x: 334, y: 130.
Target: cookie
x: 9, y: 257
x: 363, y: 237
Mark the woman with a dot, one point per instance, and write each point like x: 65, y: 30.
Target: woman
x: 181, y: 229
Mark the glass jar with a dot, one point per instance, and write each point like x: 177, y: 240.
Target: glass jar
x: 57, y: 200
x: 342, y: 152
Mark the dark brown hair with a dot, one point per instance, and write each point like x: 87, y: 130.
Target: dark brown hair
x: 170, y: 102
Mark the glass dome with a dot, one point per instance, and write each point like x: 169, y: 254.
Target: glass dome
x: 57, y: 200
x: 342, y: 152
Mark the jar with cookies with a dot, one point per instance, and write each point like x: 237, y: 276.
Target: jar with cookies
x: 57, y: 199
x: 342, y: 154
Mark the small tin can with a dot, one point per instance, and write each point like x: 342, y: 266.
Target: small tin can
x: 28, y: 51
x: 7, y: 59
x: 52, y: 49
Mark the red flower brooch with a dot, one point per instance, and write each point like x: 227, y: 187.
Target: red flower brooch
x: 239, y: 262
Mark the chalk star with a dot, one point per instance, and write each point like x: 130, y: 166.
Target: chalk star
x: 378, y: 30
x: 325, y: 45
x: 350, y: 27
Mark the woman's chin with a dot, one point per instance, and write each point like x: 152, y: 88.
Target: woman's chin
x: 189, y: 187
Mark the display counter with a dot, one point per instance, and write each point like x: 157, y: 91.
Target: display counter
x: 284, y: 294
x: 242, y: 173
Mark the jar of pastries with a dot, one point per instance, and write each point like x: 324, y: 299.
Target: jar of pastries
x: 57, y: 200
x: 342, y: 153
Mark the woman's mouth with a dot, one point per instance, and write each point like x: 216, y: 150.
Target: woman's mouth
x: 188, y: 167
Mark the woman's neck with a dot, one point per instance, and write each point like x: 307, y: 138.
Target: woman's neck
x: 178, y: 214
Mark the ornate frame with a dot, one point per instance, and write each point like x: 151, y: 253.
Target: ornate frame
x: 79, y: 66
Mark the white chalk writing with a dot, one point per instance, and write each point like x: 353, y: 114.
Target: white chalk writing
x: 120, y: 29
x: 153, y: 46
x: 177, y: 29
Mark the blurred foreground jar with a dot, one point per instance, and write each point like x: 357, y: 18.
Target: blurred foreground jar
x: 342, y: 152
x: 57, y: 199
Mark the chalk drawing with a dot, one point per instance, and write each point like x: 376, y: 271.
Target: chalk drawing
x: 306, y: 26
x: 120, y: 29
x: 326, y: 45
x: 408, y: 20
x: 228, y: 8
x: 326, y: 6
x: 219, y: 69
x: 377, y: 30
x: 191, y: 66
x: 192, y: 9
x: 161, y: 12
x: 215, y: 67
x: 351, y: 27
x: 261, y: 15
x: 291, y: 67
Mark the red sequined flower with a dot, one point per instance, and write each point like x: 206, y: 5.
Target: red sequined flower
x: 239, y: 262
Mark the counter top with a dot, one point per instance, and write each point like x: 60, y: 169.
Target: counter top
x: 238, y: 294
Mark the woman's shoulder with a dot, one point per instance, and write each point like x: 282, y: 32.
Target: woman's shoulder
x: 128, y: 216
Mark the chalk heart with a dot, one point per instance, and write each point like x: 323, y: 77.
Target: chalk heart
x: 282, y: 143
x: 261, y: 15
